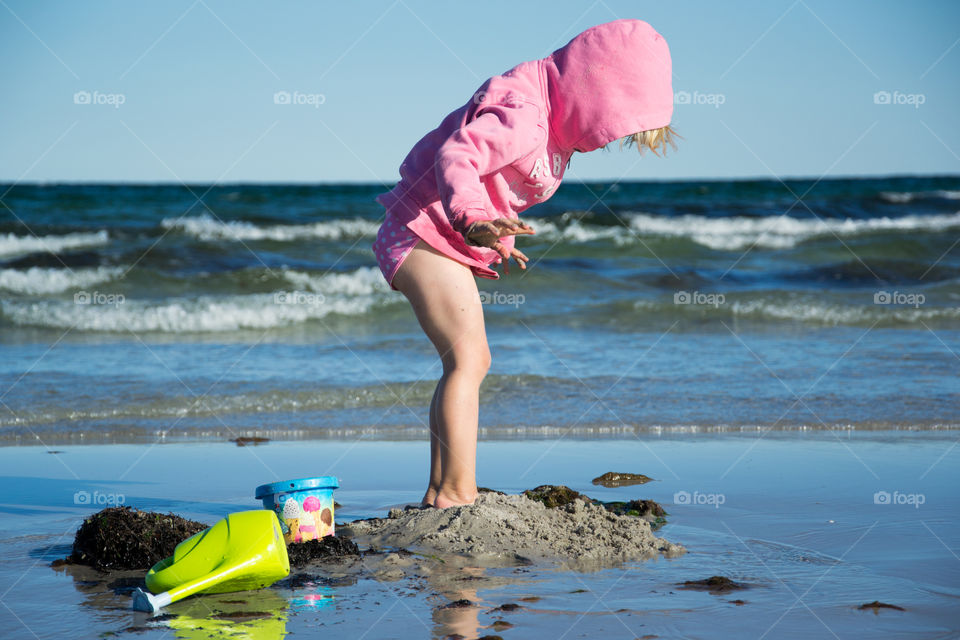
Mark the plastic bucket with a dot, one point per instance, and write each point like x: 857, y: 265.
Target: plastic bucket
x: 304, y: 507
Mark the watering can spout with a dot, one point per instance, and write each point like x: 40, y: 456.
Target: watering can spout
x: 146, y: 601
x: 243, y: 551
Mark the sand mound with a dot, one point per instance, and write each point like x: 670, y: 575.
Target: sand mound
x: 507, y: 526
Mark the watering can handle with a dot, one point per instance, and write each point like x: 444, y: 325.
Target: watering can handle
x: 143, y: 601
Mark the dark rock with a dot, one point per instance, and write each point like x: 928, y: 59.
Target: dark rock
x: 457, y: 604
x: 876, y: 605
x: 613, y: 479
x: 713, y: 584
x: 127, y: 538
x: 251, y: 440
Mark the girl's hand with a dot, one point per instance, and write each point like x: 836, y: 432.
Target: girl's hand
x: 487, y: 233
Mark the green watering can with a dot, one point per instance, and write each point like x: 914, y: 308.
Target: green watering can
x: 243, y: 551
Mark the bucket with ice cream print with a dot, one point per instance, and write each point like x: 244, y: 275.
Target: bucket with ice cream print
x: 304, y: 506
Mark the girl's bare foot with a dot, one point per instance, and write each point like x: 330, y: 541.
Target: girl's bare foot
x: 445, y: 499
x: 429, y: 497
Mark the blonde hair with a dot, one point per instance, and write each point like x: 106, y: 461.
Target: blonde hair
x: 656, y: 140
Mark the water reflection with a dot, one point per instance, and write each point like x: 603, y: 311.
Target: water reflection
x: 246, y: 615
x: 461, y: 617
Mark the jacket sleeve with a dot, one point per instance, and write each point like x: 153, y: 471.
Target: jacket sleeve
x: 498, y: 136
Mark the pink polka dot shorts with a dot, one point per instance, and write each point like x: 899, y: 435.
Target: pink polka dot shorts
x: 393, y: 244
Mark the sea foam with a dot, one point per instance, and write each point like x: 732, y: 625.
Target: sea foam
x: 737, y: 233
x: 209, y: 228
x: 42, y: 281
x: 311, y: 297
x: 11, y: 244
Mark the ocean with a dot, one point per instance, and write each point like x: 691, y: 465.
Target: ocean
x: 142, y: 313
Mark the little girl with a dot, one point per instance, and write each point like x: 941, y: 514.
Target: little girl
x: 454, y: 212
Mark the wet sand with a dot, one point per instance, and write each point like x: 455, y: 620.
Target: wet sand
x: 802, y: 520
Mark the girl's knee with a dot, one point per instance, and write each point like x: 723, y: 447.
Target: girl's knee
x: 474, y: 361
x: 485, y: 361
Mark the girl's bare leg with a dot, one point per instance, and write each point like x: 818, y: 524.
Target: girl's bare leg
x: 434, y: 483
x: 445, y: 300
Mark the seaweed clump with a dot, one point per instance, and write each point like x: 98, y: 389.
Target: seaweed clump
x: 326, y: 548
x: 613, y: 479
x: 556, y: 496
x: 119, y: 538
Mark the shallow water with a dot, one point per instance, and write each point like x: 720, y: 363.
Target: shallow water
x: 799, y: 516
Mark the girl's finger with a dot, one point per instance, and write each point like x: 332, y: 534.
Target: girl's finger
x: 524, y: 228
x: 515, y: 231
x: 502, y: 250
x: 507, y: 227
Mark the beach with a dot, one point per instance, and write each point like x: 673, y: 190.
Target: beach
x: 707, y: 388
x: 794, y: 516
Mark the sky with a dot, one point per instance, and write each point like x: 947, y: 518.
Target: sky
x: 187, y: 90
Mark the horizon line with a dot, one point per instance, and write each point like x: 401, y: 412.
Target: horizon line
x: 159, y: 183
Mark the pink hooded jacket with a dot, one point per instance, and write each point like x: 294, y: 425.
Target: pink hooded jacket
x: 507, y: 148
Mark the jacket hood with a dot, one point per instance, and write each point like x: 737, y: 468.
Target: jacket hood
x: 610, y: 81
